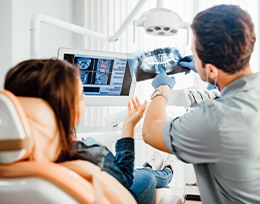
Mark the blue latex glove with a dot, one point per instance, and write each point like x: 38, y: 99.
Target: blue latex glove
x: 188, y: 62
x: 163, y: 79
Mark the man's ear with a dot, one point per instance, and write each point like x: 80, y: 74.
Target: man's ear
x: 211, y: 70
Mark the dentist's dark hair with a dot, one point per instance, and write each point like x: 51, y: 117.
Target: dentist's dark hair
x: 224, y: 37
x: 54, y: 81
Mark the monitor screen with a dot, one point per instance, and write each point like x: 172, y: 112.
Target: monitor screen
x: 107, y: 77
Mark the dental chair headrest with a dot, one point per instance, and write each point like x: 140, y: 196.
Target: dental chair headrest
x: 15, y: 140
x: 28, y: 129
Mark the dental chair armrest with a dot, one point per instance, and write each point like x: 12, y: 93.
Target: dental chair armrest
x: 84, y: 168
x: 111, y: 187
x: 64, y: 178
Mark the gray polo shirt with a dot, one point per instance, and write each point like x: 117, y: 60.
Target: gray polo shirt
x: 222, y: 139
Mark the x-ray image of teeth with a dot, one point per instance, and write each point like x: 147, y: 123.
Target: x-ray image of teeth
x: 101, y: 78
x: 167, y: 58
x: 103, y: 68
x: 103, y: 65
x: 147, y: 62
x: 84, y: 77
x: 83, y: 62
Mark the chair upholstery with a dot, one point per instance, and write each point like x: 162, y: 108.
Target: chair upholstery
x: 43, y: 182
x: 29, y: 143
x: 14, y: 130
x: 111, y: 188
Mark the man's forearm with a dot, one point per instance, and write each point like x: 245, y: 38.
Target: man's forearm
x: 154, y: 121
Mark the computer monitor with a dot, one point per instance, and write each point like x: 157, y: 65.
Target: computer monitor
x: 108, y: 77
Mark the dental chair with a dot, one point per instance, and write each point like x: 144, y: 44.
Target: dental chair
x: 29, y: 176
x: 28, y: 145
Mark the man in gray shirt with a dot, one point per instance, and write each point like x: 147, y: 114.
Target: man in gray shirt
x: 221, y: 137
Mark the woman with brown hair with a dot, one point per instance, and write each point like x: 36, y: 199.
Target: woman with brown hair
x: 58, y: 83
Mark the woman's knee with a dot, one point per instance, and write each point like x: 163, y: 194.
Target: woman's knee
x: 144, y: 185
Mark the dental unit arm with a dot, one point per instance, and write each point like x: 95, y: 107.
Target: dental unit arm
x: 41, y: 18
x: 183, y: 97
x: 169, y: 23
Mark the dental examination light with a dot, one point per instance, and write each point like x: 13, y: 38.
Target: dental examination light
x: 158, y: 21
x: 161, y: 21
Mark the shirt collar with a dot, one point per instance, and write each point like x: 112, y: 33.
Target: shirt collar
x: 242, y: 84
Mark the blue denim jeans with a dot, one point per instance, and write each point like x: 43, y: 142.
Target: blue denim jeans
x: 120, y: 166
x: 140, y: 182
x: 146, y: 180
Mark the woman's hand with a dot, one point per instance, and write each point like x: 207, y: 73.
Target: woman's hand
x: 134, y: 115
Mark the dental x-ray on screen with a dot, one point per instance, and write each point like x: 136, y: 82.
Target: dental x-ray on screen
x: 147, y: 62
x: 107, y: 77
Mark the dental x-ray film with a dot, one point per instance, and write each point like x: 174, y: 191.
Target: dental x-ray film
x: 147, y: 62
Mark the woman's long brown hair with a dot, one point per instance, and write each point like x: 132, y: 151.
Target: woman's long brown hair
x: 54, y: 81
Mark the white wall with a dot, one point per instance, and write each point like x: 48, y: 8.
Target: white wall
x: 5, y: 37
x: 15, y: 17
